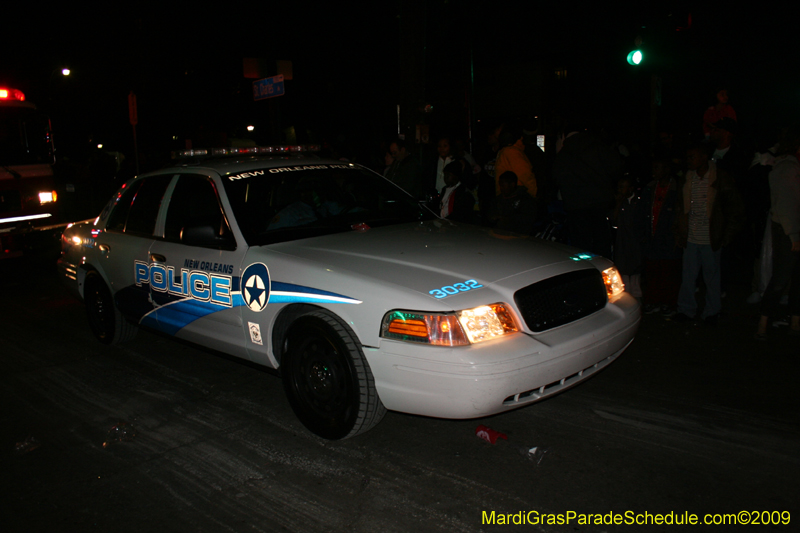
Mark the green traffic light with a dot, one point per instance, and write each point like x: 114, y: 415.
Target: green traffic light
x: 635, y: 57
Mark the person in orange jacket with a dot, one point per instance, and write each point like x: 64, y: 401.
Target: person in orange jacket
x: 512, y: 157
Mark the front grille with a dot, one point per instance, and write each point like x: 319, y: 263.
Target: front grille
x: 561, y: 299
x: 10, y: 201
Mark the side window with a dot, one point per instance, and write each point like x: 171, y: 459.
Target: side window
x: 195, y: 216
x: 145, y: 205
x: 119, y: 214
x: 138, y: 207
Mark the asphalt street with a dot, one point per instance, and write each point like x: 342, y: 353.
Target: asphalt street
x: 689, y: 420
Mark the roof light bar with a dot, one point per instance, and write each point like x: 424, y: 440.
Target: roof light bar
x: 189, y: 153
x: 251, y: 150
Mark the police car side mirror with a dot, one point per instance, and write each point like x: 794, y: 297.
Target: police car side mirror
x: 205, y: 235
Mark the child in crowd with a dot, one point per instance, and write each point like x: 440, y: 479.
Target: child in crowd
x: 514, y: 210
x: 456, y: 201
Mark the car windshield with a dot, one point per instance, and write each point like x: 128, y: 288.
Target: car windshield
x: 297, y: 202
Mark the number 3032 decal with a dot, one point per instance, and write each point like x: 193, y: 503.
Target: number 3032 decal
x: 455, y: 288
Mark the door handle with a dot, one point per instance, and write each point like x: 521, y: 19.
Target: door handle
x: 157, y: 258
x: 104, y: 248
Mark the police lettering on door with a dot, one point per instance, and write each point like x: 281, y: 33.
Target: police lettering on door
x: 195, y: 284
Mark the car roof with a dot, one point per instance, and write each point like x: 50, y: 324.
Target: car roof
x: 235, y: 164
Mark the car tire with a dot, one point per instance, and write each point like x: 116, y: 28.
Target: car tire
x: 327, y: 378
x: 105, y: 320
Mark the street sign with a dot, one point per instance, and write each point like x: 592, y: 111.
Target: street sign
x: 268, y: 87
x: 133, y: 114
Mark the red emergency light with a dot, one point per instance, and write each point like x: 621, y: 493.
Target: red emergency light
x: 11, y: 94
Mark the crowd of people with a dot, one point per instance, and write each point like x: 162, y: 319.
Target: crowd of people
x: 703, y: 206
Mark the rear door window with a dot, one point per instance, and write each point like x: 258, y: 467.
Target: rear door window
x: 137, y: 210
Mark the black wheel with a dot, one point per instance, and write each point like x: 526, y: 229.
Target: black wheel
x: 327, y: 379
x: 107, y: 323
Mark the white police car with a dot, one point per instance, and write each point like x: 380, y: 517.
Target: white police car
x: 364, y: 300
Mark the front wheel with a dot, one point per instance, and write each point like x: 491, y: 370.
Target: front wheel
x: 327, y: 378
x: 105, y: 320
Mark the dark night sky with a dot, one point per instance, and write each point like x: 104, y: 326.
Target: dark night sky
x: 185, y: 64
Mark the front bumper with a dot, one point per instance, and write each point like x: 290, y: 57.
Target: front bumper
x: 504, y: 374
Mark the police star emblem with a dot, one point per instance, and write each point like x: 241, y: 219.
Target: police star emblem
x: 255, y: 287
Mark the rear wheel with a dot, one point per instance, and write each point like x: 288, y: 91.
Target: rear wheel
x: 105, y: 320
x: 327, y: 378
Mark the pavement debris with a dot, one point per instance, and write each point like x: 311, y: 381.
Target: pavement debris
x: 29, y: 444
x: 119, y: 432
x: 489, y: 435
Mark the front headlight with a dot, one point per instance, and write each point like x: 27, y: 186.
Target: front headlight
x: 613, y: 281
x: 458, y: 328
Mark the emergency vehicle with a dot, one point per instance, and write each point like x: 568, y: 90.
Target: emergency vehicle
x: 363, y: 299
x: 28, y: 197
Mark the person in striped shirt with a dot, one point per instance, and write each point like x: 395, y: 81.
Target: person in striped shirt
x: 711, y: 213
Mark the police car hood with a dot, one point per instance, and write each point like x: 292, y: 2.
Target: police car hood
x: 428, y: 255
